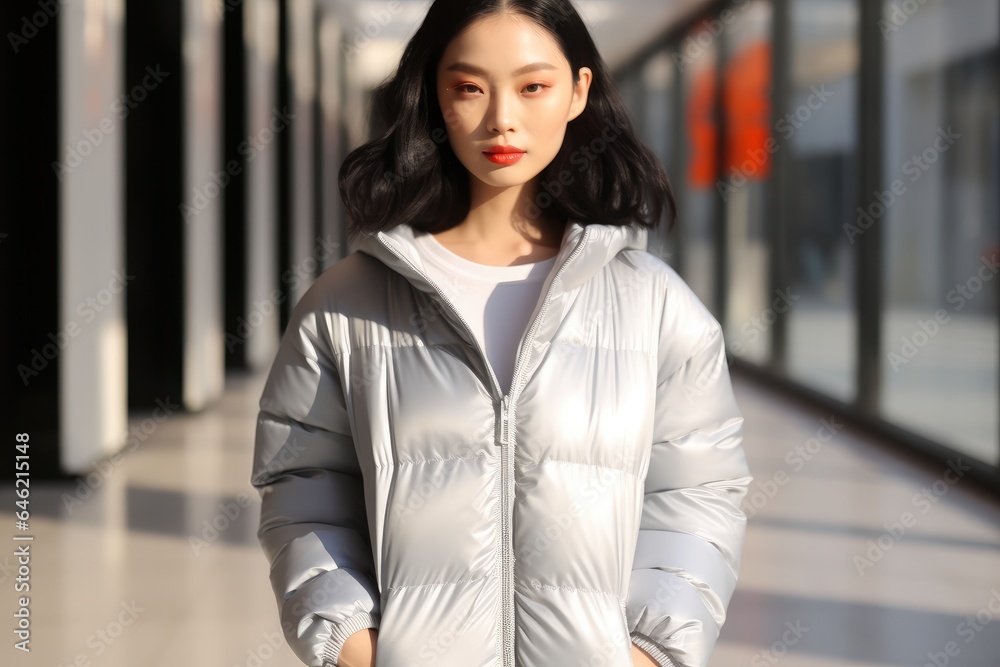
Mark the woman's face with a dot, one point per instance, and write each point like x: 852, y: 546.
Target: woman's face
x: 504, y: 81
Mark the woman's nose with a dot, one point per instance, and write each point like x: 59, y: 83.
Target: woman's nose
x: 498, y: 116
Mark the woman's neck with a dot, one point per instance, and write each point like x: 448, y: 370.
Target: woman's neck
x: 504, y: 227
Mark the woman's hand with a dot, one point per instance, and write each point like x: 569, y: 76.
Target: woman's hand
x: 359, y: 649
x: 641, y: 659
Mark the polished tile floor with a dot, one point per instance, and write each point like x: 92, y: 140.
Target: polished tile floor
x: 855, y: 557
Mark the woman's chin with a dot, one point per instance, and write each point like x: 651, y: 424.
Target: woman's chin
x: 504, y: 177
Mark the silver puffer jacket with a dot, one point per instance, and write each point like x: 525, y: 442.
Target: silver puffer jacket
x: 595, y: 505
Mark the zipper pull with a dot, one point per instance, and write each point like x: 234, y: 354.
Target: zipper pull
x: 504, y: 423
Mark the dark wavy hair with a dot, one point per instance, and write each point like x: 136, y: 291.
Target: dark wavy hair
x: 411, y: 175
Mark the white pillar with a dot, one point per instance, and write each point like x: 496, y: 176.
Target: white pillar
x: 204, y: 176
x: 302, y: 45
x: 92, y: 382
x: 261, y: 31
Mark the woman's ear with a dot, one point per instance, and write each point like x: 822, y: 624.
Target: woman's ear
x: 580, y: 93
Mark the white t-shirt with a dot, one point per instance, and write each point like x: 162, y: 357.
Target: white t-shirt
x: 497, y: 301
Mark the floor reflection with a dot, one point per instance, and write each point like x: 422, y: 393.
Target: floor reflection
x: 155, y: 561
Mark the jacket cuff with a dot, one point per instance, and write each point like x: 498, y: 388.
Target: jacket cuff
x: 340, y: 632
x: 653, y: 649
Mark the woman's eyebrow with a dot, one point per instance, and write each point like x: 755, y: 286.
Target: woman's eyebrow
x: 472, y: 69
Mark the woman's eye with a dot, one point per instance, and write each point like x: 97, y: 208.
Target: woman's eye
x: 472, y: 88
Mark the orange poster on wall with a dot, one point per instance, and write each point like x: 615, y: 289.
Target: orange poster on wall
x: 747, y: 108
x: 747, y: 104
x: 701, y: 129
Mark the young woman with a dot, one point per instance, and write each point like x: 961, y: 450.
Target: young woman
x: 501, y: 433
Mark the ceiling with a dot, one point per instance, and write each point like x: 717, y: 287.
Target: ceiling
x: 619, y: 27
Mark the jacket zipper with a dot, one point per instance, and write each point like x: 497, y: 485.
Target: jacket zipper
x: 508, y: 467
x: 506, y: 445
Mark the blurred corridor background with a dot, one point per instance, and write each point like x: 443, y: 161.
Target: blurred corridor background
x: 168, y: 187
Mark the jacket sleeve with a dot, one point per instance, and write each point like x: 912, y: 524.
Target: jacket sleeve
x: 313, y: 526
x: 692, y: 528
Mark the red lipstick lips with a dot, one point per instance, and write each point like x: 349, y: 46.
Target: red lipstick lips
x: 504, y: 149
x: 503, y: 154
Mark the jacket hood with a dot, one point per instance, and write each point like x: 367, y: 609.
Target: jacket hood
x: 590, y: 246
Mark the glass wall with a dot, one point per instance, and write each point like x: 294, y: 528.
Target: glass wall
x: 743, y: 185
x: 940, y: 223
x: 776, y: 195
x: 819, y: 130
x: 658, y: 124
x: 697, y: 60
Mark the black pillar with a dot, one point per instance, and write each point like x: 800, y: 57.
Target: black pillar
x: 234, y: 114
x: 31, y: 338
x: 285, y: 139
x: 154, y: 189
